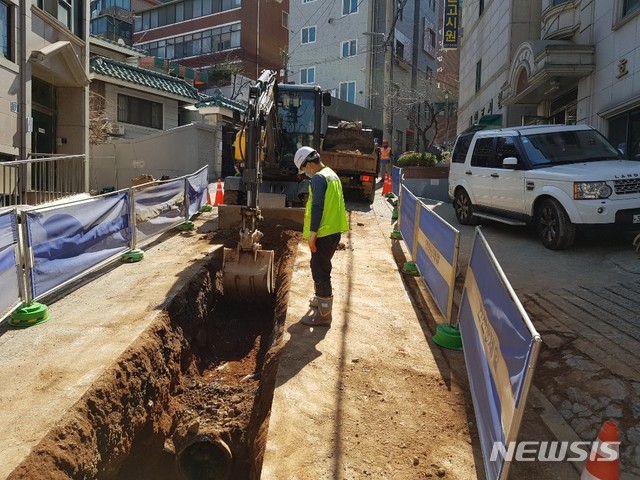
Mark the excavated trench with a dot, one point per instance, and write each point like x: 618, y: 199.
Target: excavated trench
x: 190, y: 399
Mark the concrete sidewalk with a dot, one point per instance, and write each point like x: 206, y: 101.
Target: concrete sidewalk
x: 369, y: 396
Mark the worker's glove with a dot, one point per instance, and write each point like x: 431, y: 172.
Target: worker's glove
x: 312, y: 242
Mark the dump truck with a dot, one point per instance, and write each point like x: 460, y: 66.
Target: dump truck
x: 350, y: 151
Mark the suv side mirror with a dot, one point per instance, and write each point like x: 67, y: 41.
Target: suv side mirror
x: 510, y: 162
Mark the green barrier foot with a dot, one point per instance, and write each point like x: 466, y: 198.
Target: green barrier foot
x: 132, y: 256
x: 186, y: 226
x: 389, y: 195
x: 206, y: 208
x: 448, y: 336
x: 394, y: 215
x: 410, y: 269
x: 29, y: 315
x: 396, y: 235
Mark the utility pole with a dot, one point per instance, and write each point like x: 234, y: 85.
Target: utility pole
x: 387, y: 113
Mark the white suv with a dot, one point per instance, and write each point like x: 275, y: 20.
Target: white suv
x: 554, y: 177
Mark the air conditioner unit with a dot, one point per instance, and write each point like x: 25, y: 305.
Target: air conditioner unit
x: 116, y: 129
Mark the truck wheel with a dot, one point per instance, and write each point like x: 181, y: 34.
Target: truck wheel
x: 231, y: 197
x: 554, y: 226
x: 464, y: 208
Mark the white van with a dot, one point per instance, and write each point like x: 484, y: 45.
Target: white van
x: 554, y: 177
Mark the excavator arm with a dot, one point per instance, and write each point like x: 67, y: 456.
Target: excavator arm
x: 248, y: 269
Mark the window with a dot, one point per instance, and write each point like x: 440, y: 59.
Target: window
x: 285, y: 19
x: 483, y: 153
x: 208, y: 41
x: 462, y: 147
x: 348, y: 91
x: 139, y: 111
x: 308, y: 35
x: 308, y: 75
x: 5, y: 30
x: 349, y: 6
x: 505, y: 147
x: 61, y: 9
x: 349, y: 48
x: 478, y: 75
x: 630, y: 6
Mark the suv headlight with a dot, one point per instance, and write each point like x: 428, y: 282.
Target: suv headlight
x: 591, y: 190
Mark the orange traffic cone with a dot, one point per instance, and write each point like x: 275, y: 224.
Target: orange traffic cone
x: 386, y: 186
x: 209, y: 201
x: 219, y: 194
x: 605, y: 464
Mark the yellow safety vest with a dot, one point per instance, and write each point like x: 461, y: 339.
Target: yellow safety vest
x: 334, y: 213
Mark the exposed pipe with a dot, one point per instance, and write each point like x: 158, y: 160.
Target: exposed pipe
x: 204, y: 457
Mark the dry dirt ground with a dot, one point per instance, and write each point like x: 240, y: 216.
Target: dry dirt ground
x: 191, y: 397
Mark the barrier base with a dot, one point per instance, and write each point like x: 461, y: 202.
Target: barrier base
x: 206, y: 208
x: 410, y: 268
x: 33, y: 314
x: 394, y: 215
x: 448, y: 336
x: 396, y: 235
x: 186, y: 226
x: 132, y: 256
x: 389, y: 195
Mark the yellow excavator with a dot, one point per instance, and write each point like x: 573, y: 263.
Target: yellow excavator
x: 278, y: 120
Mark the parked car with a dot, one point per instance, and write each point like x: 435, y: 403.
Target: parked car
x: 556, y: 178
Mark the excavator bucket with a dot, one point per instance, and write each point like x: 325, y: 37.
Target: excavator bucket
x: 247, y: 276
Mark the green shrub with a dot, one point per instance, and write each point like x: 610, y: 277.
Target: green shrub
x: 410, y: 159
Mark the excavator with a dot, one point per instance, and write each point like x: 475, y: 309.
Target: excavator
x: 278, y: 120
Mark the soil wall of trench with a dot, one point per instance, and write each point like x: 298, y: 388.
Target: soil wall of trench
x: 190, y: 398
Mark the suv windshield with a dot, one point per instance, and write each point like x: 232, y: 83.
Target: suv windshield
x: 572, y: 146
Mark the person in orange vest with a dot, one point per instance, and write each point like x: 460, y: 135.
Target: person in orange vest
x: 386, y: 159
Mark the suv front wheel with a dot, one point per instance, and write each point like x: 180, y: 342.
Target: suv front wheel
x: 554, y: 226
x: 463, y: 207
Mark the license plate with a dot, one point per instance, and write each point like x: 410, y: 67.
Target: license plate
x: 636, y: 218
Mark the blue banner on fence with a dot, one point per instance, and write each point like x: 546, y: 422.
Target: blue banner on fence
x: 500, y: 346
x: 436, y: 257
x: 67, y: 240
x: 9, y: 274
x: 396, y: 178
x: 159, y: 207
x: 197, y: 185
x: 408, y: 205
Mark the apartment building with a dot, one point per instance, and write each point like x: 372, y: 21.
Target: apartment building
x: 43, y: 78
x: 202, y: 33
x: 341, y: 47
x: 553, y: 61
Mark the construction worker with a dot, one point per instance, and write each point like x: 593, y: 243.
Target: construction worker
x: 386, y: 159
x: 325, y: 218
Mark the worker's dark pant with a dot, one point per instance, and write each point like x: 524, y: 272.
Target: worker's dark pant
x: 321, y: 264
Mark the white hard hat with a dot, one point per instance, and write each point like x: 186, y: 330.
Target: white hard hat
x: 304, y: 153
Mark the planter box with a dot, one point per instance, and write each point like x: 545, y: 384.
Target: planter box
x: 427, y: 182
x: 426, y: 172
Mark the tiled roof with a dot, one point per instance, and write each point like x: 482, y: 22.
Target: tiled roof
x: 143, y: 77
x: 219, y: 100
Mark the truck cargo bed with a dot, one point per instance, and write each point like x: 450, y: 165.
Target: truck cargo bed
x: 350, y: 162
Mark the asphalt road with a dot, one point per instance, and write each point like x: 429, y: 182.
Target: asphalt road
x: 585, y: 303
